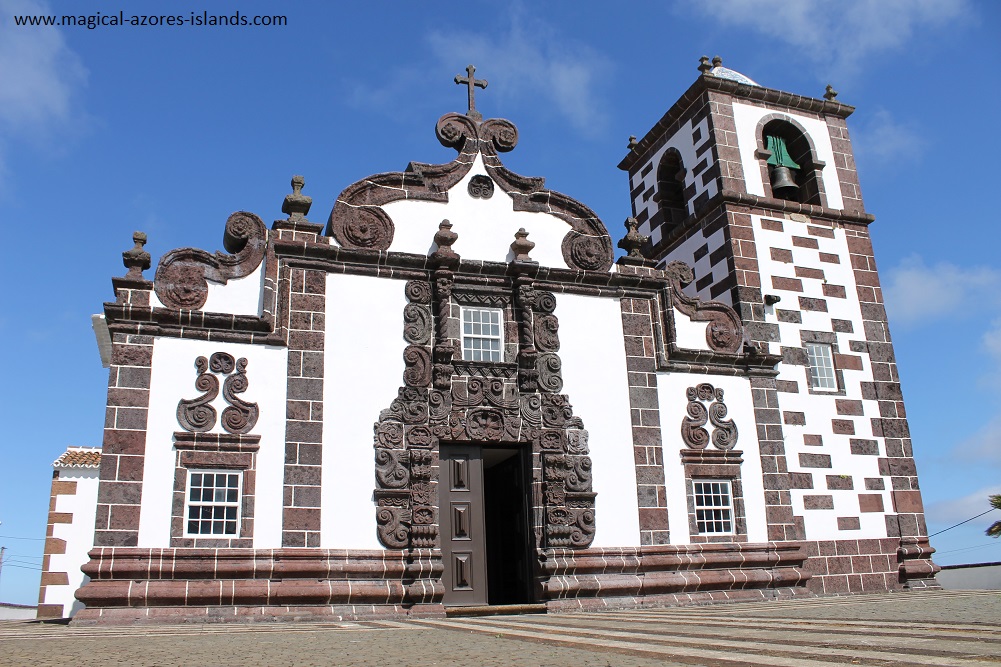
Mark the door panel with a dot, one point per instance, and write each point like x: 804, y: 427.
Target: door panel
x: 463, y: 541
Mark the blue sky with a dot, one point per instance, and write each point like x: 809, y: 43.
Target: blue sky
x: 170, y: 129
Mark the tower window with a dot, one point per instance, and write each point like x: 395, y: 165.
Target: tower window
x: 671, y: 188
x: 482, y: 334
x: 821, y: 367
x: 793, y: 171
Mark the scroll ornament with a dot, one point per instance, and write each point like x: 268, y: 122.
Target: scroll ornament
x: 182, y: 276
x: 724, y: 435
x: 197, y: 415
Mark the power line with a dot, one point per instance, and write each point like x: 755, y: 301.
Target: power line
x: 962, y: 522
x: 23, y: 567
x: 12, y: 537
x: 978, y: 546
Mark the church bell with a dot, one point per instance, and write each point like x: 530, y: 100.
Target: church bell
x: 784, y: 183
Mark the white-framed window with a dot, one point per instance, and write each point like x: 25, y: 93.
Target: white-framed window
x: 482, y: 334
x: 213, y: 503
x: 821, y: 367
x: 713, y: 506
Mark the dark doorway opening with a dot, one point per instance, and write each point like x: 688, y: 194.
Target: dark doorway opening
x: 485, y: 528
x: 506, y: 510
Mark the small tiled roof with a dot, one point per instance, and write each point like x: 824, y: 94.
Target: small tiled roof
x: 79, y: 457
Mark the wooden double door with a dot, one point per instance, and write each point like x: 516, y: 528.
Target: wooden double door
x: 485, y: 533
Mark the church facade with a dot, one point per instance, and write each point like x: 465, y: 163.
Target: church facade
x: 451, y: 394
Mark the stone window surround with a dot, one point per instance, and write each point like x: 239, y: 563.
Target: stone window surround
x: 827, y: 338
x: 492, y: 297
x: 219, y: 452
x: 708, y: 465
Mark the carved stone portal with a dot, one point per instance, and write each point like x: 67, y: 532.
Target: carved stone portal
x: 478, y: 405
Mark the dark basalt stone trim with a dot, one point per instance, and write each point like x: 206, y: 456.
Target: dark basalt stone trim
x: 182, y: 275
x: 485, y: 369
x: 662, y: 569
x: 739, y: 91
x: 235, y: 442
x: 708, y: 368
x: 358, y: 220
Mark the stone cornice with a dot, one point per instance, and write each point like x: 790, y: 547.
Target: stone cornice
x: 708, y: 82
x: 756, y: 201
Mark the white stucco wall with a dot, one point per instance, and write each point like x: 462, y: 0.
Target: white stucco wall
x: 595, y: 379
x: 689, y: 335
x: 737, y: 398
x: 363, y: 368
x: 79, y: 536
x: 746, y: 118
x: 485, y: 227
x: 820, y: 409
x: 173, y: 378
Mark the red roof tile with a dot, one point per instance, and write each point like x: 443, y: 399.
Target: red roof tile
x: 79, y: 457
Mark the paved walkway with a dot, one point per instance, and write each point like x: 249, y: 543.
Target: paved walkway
x: 943, y: 628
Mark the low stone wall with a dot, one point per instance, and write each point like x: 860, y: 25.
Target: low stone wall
x: 978, y: 576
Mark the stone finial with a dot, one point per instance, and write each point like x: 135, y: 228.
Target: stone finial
x: 830, y: 93
x: 136, y: 260
x: 704, y: 65
x: 522, y: 246
x: 296, y: 205
x: 717, y: 61
x: 444, y: 238
x: 632, y: 142
x: 632, y: 243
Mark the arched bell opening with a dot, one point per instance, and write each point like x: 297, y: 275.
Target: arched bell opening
x: 793, y: 170
x: 671, y: 199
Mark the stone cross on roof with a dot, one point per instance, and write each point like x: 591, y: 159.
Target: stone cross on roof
x: 472, y: 83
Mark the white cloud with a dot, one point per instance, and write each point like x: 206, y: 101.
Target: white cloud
x: 917, y: 293
x: 883, y: 138
x: 947, y: 512
x: 40, y: 76
x: 984, y: 446
x: 838, y: 36
x: 528, y: 60
x: 992, y: 343
x: 535, y: 64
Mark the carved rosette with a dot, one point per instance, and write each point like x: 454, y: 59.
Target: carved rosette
x: 444, y: 401
x: 182, y: 276
x: 724, y: 332
x: 705, y: 404
x: 198, y: 416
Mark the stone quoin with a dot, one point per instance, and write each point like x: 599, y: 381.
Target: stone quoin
x: 451, y: 394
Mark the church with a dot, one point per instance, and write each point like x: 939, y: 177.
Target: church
x: 450, y: 394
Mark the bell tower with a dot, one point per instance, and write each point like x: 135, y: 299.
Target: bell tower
x: 756, y: 189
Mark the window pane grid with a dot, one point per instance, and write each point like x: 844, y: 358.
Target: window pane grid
x: 481, y: 334
x: 822, y: 375
x: 213, y: 503
x: 713, y: 508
